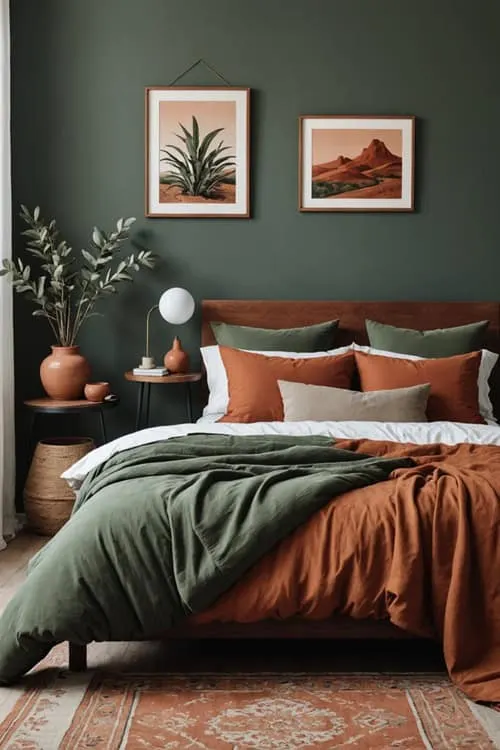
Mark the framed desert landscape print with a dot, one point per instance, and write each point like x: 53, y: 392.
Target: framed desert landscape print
x: 197, y: 152
x: 353, y: 163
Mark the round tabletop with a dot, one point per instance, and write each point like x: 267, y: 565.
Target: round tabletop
x: 184, y: 377
x: 51, y: 405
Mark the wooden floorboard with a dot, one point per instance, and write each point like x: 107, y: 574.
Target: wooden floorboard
x: 13, y: 563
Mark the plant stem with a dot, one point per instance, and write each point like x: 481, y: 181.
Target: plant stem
x: 50, y: 319
x: 68, y: 322
x: 76, y: 322
x: 83, y: 316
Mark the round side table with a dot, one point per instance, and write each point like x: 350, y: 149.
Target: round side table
x: 144, y: 393
x: 39, y: 406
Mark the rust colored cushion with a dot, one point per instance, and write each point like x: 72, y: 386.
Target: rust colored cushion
x: 254, y: 395
x: 454, y: 393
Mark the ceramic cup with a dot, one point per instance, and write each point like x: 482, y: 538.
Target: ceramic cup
x: 96, y: 391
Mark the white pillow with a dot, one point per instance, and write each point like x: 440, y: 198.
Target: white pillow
x: 488, y: 362
x: 218, y: 395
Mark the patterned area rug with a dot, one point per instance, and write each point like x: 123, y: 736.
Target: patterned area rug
x: 63, y: 711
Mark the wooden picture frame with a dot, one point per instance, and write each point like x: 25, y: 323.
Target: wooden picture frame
x: 356, y: 163
x: 197, y: 152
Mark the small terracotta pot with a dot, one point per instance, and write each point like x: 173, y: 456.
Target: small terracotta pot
x: 176, y: 360
x: 96, y: 391
x: 64, y: 373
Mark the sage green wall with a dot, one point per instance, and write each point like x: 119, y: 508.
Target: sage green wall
x: 79, y: 72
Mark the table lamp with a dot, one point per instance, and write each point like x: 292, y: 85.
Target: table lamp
x: 176, y: 306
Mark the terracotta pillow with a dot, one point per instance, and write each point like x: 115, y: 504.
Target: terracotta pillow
x: 254, y: 395
x: 454, y: 393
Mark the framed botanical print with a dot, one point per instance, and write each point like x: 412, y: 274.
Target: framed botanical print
x: 198, y: 152
x: 356, y: 163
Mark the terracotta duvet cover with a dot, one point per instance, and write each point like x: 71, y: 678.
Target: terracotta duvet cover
x: 422, y: 549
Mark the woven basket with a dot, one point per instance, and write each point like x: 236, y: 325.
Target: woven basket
x: 48, y: 499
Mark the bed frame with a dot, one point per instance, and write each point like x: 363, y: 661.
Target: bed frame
x: 352, y: 315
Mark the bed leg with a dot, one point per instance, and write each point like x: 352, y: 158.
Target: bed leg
x: 77, y: 657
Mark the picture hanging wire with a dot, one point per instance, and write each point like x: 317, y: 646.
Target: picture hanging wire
x: 200, y: 61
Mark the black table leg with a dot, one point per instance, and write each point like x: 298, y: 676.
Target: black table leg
x: 31, y: 441
x: 103, y: 426
x: 140, y: 399
x: 148, y: 398
x: 188, y: 402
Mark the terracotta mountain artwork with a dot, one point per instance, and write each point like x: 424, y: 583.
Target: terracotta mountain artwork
x: 340, y: 161
x: 375, y: 173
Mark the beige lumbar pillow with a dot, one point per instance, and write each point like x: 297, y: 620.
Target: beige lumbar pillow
x: 321, y: 403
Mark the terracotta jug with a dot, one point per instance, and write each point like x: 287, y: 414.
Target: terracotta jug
x: 64, y: 373
x: 176, y: 360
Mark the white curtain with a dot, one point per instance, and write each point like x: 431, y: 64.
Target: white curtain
x: 7, y: 448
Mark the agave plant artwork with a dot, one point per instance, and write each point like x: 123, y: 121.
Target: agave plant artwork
x: 196, y: 168
x: 66, y: 285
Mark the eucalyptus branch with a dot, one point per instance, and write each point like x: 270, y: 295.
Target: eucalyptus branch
x: 64, y: 296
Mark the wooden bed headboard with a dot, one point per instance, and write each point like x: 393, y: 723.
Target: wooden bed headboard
x: 352, y: 315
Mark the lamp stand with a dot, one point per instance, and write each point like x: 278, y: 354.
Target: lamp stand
x: 147, y: 362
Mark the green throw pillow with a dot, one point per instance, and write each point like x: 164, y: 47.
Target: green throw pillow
x: 315, y: 338
x: 441, y: 342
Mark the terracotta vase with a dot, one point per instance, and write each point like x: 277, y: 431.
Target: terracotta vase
x: 64, y: 373
x: 176, y: 360
x: 96, y: 391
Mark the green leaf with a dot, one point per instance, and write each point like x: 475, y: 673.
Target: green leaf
x: 98, y: 237
x: 89, y: 258
x: 207, y: 141
x: 189, y: 143
x: 182, y: 163
x: 180, y: 137
x: 196, y: 134
x: 36, y: 213
x: 39, y: 313
x: 31, y: 233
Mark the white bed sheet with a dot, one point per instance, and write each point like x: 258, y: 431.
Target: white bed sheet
x: 420, y: 433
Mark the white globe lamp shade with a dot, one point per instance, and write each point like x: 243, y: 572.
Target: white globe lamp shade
x: 176, y: 305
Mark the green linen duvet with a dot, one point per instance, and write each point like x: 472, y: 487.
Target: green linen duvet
x: 160, y: 531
